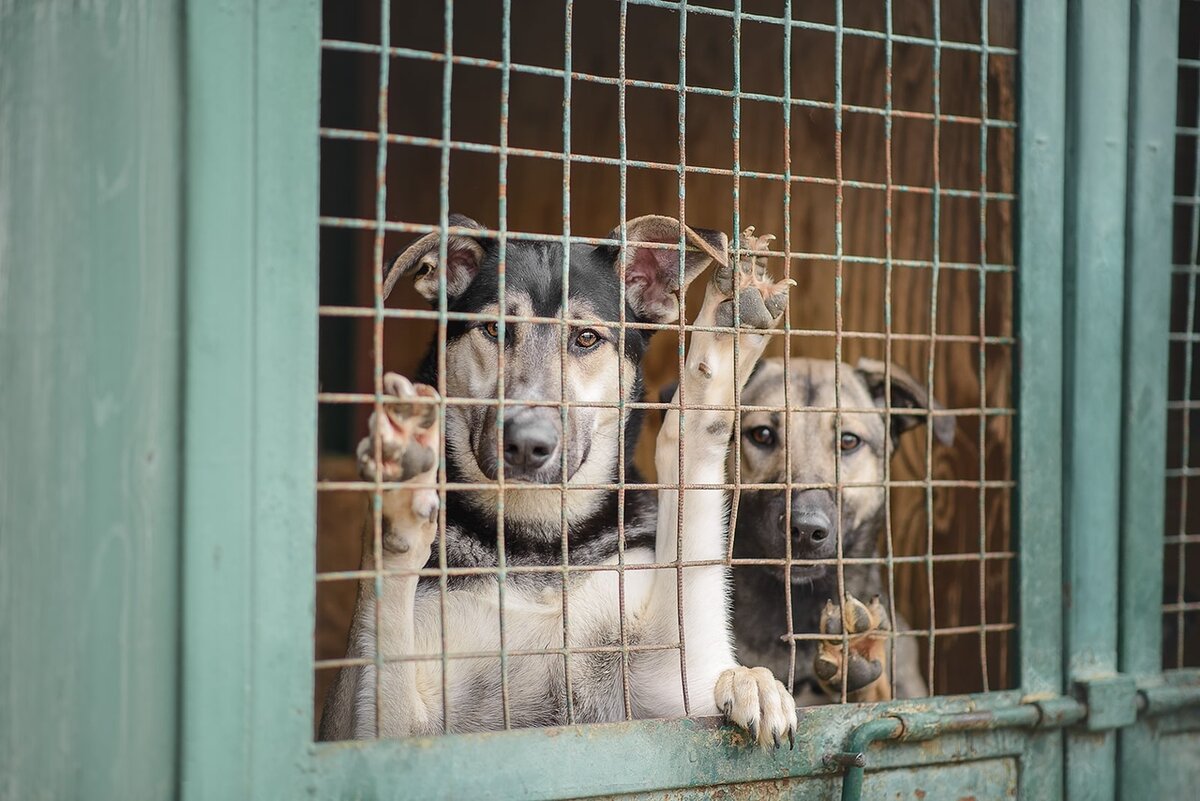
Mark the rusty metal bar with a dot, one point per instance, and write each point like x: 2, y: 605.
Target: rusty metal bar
x: 377, y: 337
x: 933, y: 298
x: 982, y: 323
x: 515, y: 569
x: 564, y: 333
x: 679, y: 495
x: 501, y: 354
x: 787, y: 353
x: 442, y: 305
x: 838, y: 325
x: 622, y: 407
x: 566, y: 157
x: 889, y: 336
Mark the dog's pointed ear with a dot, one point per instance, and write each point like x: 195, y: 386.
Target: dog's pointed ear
x: 652, y: 283
x: 464, y: 253
x: 906, y: 393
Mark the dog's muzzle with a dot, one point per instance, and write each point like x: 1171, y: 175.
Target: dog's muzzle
x: 531, y: 442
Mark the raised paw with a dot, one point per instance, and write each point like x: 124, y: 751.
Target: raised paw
x: 760, y: 300
x: 407, y: 433
x: 865, y: 676
x: 755, y: 700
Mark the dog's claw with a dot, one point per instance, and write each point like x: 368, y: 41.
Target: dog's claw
x: 753, y: 699
x: 792, y: 739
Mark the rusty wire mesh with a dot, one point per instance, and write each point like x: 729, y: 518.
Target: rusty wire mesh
x: 953, y: 583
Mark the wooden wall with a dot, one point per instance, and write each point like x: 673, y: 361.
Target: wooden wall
x: 960, y: 519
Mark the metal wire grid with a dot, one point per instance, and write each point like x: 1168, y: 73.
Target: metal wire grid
x: 1181, y: 604
x: 445, y: 145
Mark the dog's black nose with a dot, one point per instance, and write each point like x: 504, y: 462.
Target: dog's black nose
x: 810, y: 533
x: 529, y: 443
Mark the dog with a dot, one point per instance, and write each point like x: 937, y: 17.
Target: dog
x: 410, y: 625
x: 865, y: 444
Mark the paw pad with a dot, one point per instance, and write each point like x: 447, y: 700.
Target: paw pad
x: 760, y: 301
x: 867, y: 626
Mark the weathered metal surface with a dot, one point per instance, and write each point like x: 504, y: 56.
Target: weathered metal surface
x: 982, y: 780
x: 1041, y: 154
x: 251, y: 163
x: 652, y: 755
x: 1152, y: 86
x: 1094, y: 277
x: 90, y: 337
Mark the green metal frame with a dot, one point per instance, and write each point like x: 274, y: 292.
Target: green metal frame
x: 1152, y: 98
x: 252, y: 84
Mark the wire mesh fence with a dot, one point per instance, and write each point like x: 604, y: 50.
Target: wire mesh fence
x: 1181, y: 575
x: 876, y: 142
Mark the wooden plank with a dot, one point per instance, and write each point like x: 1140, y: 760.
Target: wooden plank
x: 90, y: 347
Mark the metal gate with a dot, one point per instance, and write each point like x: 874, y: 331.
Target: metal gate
x: 1104, y: 695
x: 1093, y: 710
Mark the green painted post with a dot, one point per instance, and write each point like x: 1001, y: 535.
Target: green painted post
x: 90, y: 340
x: 1041, y: 153
x: 1147, y: 315
x: 1097, y: 80
x: 249, y: 559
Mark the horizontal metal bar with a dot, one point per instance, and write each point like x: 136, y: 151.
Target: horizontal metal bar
x: 944, y: 44
x: 1165, y: 699
x: 348, y: 134
x: 321, y: 664
x: 330, y: 221
x: 365, y: 398
x: 327, y: 485
x: 434, y: 572
x: 674, y: 88
x: 917, y: 726
x: 1181, y: 606
x: 974, y: 628
x: 423, y: 314
x: 326, y: 664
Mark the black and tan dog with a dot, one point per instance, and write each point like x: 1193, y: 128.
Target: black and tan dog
x: 865, y: 445
x: 539, y: 454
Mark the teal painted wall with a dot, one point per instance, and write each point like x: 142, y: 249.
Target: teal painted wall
x: 90, y: 343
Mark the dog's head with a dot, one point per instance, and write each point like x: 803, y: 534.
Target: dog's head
x: 544, y: 362
x: 813, y: 448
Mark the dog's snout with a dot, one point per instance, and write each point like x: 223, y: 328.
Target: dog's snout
x: 813, y: 526
x: 530, y: 441
x: 810, y: 530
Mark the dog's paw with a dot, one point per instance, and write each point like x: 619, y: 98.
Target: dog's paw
x: 407, y: 433
x: 760, y: 300
x: 867, y: 627
x: 755, y: 700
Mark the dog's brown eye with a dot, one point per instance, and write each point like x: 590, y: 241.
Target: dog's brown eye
x: 492, y: 330
x: 763, y: 435
x: 587, y: 338
x: 850, y: 442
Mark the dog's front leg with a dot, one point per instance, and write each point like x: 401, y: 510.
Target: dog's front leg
x: 389, y: 701
x: 750, y: 697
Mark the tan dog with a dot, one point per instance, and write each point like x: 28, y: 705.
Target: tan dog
x: 865, y: 445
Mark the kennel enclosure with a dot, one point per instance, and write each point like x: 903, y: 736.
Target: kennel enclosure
x: 160, y: 439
